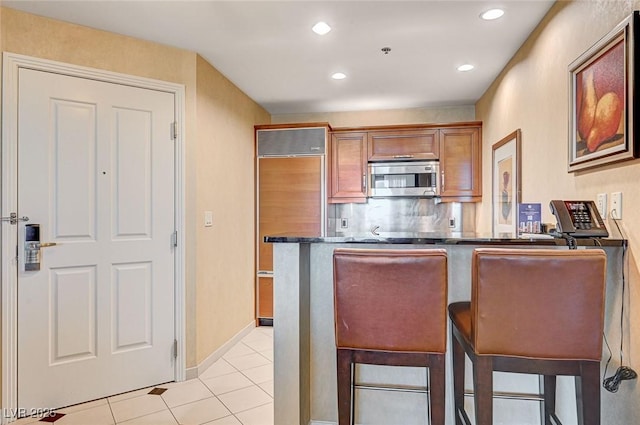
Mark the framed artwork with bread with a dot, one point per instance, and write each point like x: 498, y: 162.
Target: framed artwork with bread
x: 602, y: 105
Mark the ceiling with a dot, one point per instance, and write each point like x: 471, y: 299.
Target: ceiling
x: 268, y: 50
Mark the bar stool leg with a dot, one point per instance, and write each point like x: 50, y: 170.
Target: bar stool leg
x: 437, y: 389
x: 588, y: 393
x: 458, y: 378
x: 345, y: 381
x: 483, y: 390
x: 549, y: 398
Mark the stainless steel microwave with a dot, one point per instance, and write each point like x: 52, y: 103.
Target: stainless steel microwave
x: 404, y: 179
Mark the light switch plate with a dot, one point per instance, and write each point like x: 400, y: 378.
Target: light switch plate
x: 601, y: 204
x: 208, y: 218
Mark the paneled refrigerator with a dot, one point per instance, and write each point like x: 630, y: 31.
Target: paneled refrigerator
x: 290, y: 170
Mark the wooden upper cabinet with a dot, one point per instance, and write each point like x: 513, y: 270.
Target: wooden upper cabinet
x: 461, y: 164
x: 403, y: 144
x: 458, y: 147
x: 348, y: 156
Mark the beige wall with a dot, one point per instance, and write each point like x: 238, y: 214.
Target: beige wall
x: 532, y: 94
x: 219, y: 149
x: 383, y: 117
x: 225, y: 180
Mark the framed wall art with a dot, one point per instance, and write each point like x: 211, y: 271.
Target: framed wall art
x: 602, y: 105
x: 507, y: 189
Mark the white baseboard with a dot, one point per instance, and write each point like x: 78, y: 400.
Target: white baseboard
x: 194, y: 372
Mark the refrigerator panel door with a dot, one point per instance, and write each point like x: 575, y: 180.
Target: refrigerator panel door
x: 290, y: 201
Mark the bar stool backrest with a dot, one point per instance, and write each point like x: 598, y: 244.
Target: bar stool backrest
x: 391, y: 300
x: 538, y: 303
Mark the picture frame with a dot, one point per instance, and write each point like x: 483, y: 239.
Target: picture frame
x: 506, y: 184
x: 602, y: 106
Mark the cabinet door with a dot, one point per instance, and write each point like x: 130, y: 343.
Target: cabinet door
x: 403, y: 144
x: 265, y: 297
x: 348, y: 167
x: 460, y: 163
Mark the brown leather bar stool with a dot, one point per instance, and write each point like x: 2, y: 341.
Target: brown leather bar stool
x: 532, y: 311
x: 390, y: 309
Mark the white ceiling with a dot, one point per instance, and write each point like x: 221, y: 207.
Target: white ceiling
x: 268, y: 50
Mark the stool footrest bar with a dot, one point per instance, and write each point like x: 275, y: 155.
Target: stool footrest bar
x: 510, y: 395
x: 401, y: 388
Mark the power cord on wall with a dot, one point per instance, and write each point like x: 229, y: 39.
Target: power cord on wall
x: 623, y: 373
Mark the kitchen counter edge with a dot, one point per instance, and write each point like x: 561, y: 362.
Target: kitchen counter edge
x: 447, y: 240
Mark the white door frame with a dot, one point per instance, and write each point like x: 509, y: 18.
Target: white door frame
x: 9, y: 199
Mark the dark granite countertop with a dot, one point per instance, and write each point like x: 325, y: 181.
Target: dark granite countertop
x: 444, y: 239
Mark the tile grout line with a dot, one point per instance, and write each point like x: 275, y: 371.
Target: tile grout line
x: 218, y: 398
x: 255, y: 407
x: 243, y: 374
x: 169, y: 409
x: 221, y: 402
x: 254, y: 383
x: 113, y: 416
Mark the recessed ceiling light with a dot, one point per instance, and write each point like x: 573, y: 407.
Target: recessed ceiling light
x: 492, y: 14
x: 339, y: 76
x: 466, y: 67
x: 321, y: 28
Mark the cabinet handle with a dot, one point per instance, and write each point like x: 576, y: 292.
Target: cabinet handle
x: 364, y: 183
x: 442, y: 184
x: 403, y: 156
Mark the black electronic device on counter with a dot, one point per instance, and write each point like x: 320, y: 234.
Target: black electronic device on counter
x: 578, y: 219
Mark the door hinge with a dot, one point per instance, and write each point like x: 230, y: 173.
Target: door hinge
x: 175, y: 348
x: 174, y: 130
x: 174, y: 238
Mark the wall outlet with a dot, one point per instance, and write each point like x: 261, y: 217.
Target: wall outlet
x: 616, y: 205
x: 601, y: 204
x: 344, y: 223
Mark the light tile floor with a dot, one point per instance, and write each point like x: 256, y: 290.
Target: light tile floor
x: 235, y: 390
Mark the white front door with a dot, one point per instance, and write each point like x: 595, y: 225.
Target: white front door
x: 96, y: 173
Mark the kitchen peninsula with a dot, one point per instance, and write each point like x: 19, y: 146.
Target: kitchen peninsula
x: 304, y: 348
